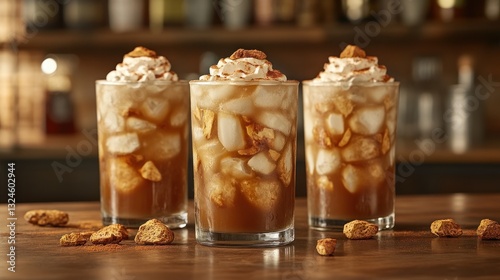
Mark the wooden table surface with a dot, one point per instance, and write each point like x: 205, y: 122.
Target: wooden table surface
x: 409, y: 251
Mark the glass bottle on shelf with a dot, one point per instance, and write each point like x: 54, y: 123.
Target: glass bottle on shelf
x: 449, y: 10
x: 59, y: 110
x: 465, y: 109
x: 166, y: 13
x: 285, y: 11
x: 85, y: 14
x: 264, y: 12
x: 427, y: 72
x: 42, y: 15
x: 492, y: 9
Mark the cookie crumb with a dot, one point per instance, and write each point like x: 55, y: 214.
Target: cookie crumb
x: 446, y: 228
x: 358, y: 229
x: 154, y: 232
x: 488, y: 230
x: 47, y: 217
x: 141, y: 52
x: 352, y: 51
x: 112, y: 234
x: 150, y: 172
x: 326, y: 246
x: 74, y: 239
x: 242, y: 53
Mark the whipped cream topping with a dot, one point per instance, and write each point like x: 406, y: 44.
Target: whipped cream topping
x: 236, y: 68
x: 148, y: 67
x: 353, y: 68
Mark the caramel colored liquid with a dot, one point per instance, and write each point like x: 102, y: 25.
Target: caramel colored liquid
x: 244, y: 147
x: 350, y: 144
x: 139, y: 125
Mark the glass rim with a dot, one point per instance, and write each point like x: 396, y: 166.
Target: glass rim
x: 154, y: 82
x: 257, y: 82
x: 348, y: 84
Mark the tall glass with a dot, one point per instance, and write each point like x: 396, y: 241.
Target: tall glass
x: 143, y: 149
x: 244, y: 137
x: 350, y: 134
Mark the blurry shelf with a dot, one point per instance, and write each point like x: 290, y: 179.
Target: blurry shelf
x: 53, y: 147
x: 74, y: 40
x: 409, y: 151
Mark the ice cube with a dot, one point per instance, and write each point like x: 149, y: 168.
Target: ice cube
x: 335, y: 124
x: 351, y: 178
x: 375, y: 173
x: 138, y: 125
x: 114, y: 100
x: 209, y: 154
x: 155, y: 108
x: 230, y: 132
x: 220, y: 191
x: 360, y: 149
x: 263, y: 194
x: 327, y: 161
x: 162, y: 146
x: 378, y: 94
x: 267, y: 99
x: 179, y: 116
x: 285, y: 165
x: 123, y: 144
x: 278, y: 142
x: 356, y: 177
x: 276, y: 121
x: 150, y: 172
x: 122, y: 177
x: 210, y: 97
x: 113, y: 122
x: 235, y: 167
x: 367, y: 120
x: 239, y: 106
x: 261, y: 163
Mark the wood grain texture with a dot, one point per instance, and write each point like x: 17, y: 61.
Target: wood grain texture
x: 410, y: 251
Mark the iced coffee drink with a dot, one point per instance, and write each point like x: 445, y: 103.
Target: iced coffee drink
x: 143, y: 126
x: 350, y: 114
x: 244, y: 131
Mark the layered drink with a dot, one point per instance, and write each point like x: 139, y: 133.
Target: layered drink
x: 244, y: 134
x: 143, y: 128
x: 350, y: 113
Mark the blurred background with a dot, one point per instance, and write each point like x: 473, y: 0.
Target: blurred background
x: 445, y: 53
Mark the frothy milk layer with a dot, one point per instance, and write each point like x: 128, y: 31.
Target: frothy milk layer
x: 142, y: 65
x: 244, y: 65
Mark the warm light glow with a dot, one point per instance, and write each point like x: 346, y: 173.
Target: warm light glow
x: 447, y: 4
x: 49, y: 66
